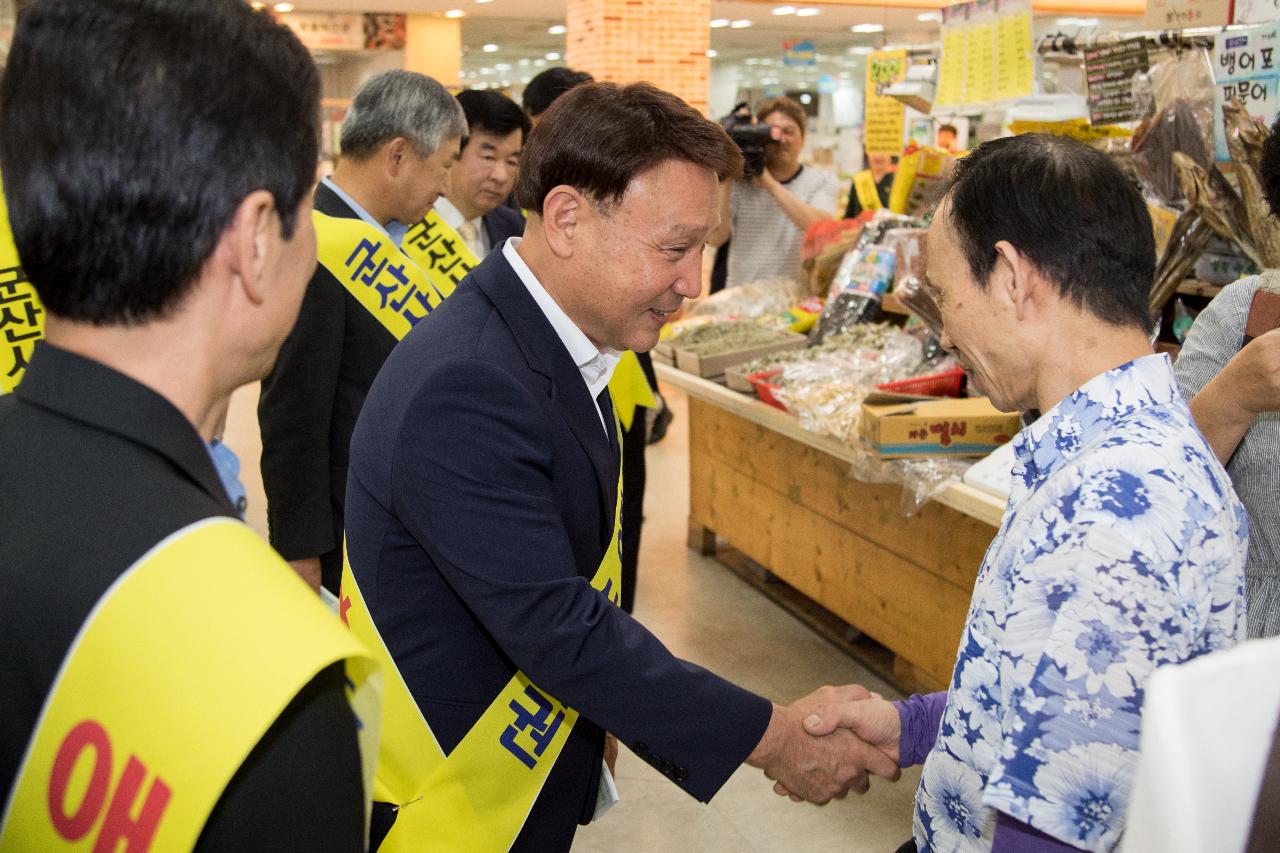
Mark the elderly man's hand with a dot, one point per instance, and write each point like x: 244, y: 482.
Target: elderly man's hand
x: 1247, y: 386
x: 1254, y: 374
x: 819, y: 769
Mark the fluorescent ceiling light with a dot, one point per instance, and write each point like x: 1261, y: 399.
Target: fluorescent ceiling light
x: 784, y: 10
x: 553, y: 56
x: 929, y: 17
x: 455, y: 13
x: 861, y: 49
x: 484, y: 1
x: 557, y: 30
x: 867, y: 28
x: 740, y: 24
x: 503, y: 66
x: 283, y: 7
x: 807, y: 12
x: 490, y: 48
x: 712, y: 54
x: 717, y: 23
x: 538, y: 63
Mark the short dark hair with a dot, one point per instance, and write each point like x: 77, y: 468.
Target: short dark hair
x: 1070, y: 210
x: 949, y: 128
x: 598, y: 137
x: 1270, y: 168
x: 545, y: 87
x: 788, y: 108
x: 492, y: 112
x: 131, y: 130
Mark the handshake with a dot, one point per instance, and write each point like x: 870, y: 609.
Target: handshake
x: 823, y: 746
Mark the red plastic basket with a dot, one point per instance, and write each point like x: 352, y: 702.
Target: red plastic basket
x: 945, y: 384
x: 765, y: 388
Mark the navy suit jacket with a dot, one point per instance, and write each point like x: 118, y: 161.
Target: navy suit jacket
x: 500, y: 223
x: 479, y: 504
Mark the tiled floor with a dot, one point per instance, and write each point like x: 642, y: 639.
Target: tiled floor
x: 706, y: 614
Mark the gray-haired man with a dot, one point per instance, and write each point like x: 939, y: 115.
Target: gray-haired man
x: 399, y: 142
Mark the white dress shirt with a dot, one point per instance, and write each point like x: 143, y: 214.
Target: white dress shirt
x: 595, y: 366
x: 470, y: 230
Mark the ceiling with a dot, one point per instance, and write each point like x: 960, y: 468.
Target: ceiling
x: 519, y: 30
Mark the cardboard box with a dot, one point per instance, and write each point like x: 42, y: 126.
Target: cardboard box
x: 897, y: 425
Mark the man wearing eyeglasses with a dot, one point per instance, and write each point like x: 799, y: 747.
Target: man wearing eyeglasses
x: 767, y: 215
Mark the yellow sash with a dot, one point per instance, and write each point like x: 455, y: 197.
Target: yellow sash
x: 864, y: 184
x: 477, y: 797
x: 21, y: 314
x: 177, y: 673
x: 400, y: 293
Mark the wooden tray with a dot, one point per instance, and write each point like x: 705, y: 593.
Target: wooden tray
x: 715, y: 365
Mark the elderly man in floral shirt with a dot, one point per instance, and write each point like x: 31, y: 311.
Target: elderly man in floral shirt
x: 1123, y: 545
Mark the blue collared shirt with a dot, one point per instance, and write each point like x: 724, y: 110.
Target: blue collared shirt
x: 393, y: 229
x: 227, y: 464
x: 1122, y: 549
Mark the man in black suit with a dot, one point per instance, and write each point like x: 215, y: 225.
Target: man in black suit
x: 170, y: 246
x: 486, y: 172
x: 484, y: 485
x: 399, y: 143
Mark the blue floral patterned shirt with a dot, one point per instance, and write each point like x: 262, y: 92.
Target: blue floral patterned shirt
x: 1122, y: 549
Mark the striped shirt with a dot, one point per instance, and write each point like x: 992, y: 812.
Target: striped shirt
x: 1217, y: 335
x: 766, y: 243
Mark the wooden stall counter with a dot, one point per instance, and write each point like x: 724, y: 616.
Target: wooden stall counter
x: 783, y: 497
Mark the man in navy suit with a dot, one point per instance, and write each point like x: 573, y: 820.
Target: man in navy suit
x: 486, y: 172
x: 484, y: 471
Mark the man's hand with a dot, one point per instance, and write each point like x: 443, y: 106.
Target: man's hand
x: 1254, y: 374
x: 873, y: 719
x: 309, y: 570
x: 610, y: 752
x: 819, y: 769
x: 766, y: 181
x: 1247, y: 386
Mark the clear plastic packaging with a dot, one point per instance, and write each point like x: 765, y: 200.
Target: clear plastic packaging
x: 921, y: 479
x: 751, y: 300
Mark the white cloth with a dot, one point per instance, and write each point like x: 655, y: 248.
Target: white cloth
x: 393, y: 229
x: 1207, y: 728
x: 470, y: 230
x: 596, y: 366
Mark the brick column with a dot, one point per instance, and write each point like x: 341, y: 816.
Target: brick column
x: 433, y: 46
x: 663, y: 42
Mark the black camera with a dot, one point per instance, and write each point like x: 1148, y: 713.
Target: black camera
x: 751, y: 139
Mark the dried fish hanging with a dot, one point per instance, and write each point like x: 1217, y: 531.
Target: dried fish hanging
x: 1245, y: 138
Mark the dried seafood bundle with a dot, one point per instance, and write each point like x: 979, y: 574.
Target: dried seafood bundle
x: 1245, y: 138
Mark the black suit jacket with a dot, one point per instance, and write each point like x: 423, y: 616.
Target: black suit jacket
x: 479, y: 504
x: 309, y: 407
x: 500, y: 223
x: 98, y: 469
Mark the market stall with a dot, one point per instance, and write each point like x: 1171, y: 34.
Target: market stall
x: 782, y: 495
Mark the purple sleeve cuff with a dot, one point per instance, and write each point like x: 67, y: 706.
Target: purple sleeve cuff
x: 920, y: 718
x: 1014, y: 836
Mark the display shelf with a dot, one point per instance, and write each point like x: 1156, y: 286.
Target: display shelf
x: 956, y: 495
x: 1195, y: 287
x: 783, y: 497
